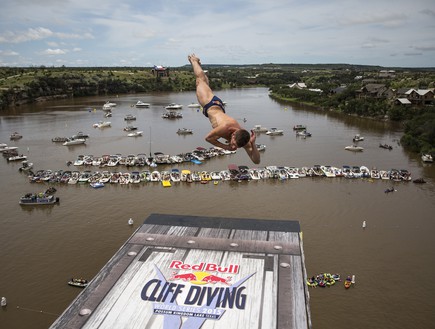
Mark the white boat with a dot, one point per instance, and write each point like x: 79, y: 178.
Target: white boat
x: 8, y: 148
x: 25, y: 166
x: 102, y: 124
x: 358, y: 138
x: 135, y: 134
x: 427, y: 158
x: 194, y: 105
x: 3, y: 302
x: 275, y: 132
x: 354, y: 148
x: 171, y: 114
x: 97, y: 185
x: 15, y: 136
x: 303, y: 133
x: 109, y: 105
x: 174, y: 106
x: 129, y: 117
x: 259, y: 129
x: 299, y: 127
x: 72, y: 141
x: 184, y: 131
x: 17, y: 157
x: 142, y: 104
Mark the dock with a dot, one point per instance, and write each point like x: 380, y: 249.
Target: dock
x: 196, y: 272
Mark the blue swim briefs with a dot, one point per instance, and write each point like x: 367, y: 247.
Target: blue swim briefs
x: 215, y: 101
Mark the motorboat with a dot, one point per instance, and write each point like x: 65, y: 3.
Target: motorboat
x: 299, y: 127
x: 142, y: 104
x: 275, y: 132
x: 358, y: 138
x: 171, y: 114
x: 174, y: 106
x: 184, y: 131
x: 130, y: 128
x: 303, y: 133
x: 108, y: 114
x: 354, y: 148
x: 17, y: 157
x: 80, y: 134
x: 427, y: 158
x: 102, y: 124
x: 3, y: 302
x: 135, y: 134
x: 8, y: 148
x: 194, y: 105
x: 129, y: 117
x: 259, y: 129
x: 32, y: 199
x: 386, y: 146
x: 74, y: 141
x: 108, y: 106
x: 25, y: 166
x: 80, y: 283
x: 97, y: 185
x: 260, y: 147
x: 15, y: 136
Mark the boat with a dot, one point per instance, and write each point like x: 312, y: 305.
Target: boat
x: 32, y: 199
x: 102, y: 124
x: 129, y: 117
x: 8, y: 149
x: 174, y: 106
x: 80, y: 134
x: 81, y: 283
x: 386, y: 146
x: 172, y: 115
x: 73, y: 141
x: 260, y: 147
x: 25, y: 165
x: 3, y: 302
x: 184, y: 131
x: 354, y: 148
x: 142, y: 104
x: 108, y: 114
x: 130, y: 128
x: 358, y: 138
x: 15, y: 136
x: 299, y: 127
x: 135, y: 134
x: 426, y: 157
x: 194, y: 105
x: 348, y: 282
x: 17, y: 157
x: 259, y: 129
x: 97, y: 185
x: 108, y: 106
x: 275, y: 132
x: 303, y: 133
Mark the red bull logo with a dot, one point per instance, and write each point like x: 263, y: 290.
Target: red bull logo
x: 200, y: 278
x: 207, y: 267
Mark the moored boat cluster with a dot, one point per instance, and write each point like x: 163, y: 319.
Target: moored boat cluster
x: 233, y: 173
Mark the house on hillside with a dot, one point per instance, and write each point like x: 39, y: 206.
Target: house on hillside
x: 420, y: 96
x: 160, y: 71
x: 373, y: 90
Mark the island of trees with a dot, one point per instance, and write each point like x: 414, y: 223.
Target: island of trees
x: 394, y: 94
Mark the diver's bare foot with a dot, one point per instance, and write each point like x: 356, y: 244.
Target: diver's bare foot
x: 192, y: 58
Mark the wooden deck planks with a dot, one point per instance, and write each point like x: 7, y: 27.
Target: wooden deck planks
x: 268, y: 280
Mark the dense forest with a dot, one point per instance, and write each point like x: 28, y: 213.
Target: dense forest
x: 326, y: 87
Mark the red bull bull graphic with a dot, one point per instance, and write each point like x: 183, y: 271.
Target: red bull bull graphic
x: 197, y: 296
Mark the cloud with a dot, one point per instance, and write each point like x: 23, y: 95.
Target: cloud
x: 39, y: 33
x: 8, y: 53
x: 54, y: 52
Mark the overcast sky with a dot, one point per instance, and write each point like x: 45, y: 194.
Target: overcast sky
x: 163, y: 32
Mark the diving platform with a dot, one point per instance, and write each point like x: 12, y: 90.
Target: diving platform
x: 196, y: 272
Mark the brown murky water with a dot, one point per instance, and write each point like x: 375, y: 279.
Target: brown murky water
x: 392, y: 258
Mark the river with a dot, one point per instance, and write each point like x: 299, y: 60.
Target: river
x: 392, y: 258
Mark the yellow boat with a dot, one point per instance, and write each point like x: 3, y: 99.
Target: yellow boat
x: 166, y: 183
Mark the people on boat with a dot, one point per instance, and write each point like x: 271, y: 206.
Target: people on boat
x: 223, y: 125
